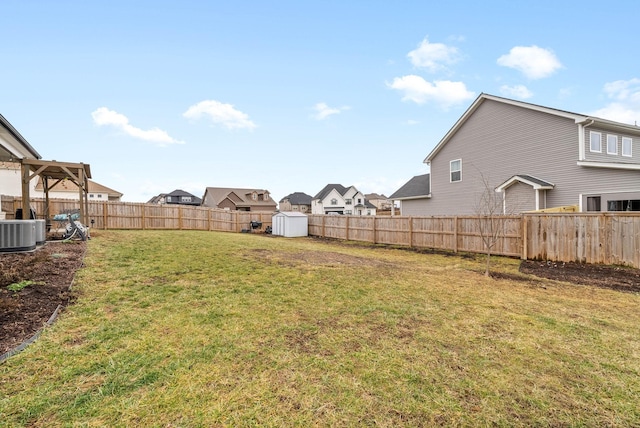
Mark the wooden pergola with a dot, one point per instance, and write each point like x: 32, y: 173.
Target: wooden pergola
x: 51, y: 173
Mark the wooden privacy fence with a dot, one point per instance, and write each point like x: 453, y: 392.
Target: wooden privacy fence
x: 459, y: 233
x: 608, y: 238
x: 124, y: 215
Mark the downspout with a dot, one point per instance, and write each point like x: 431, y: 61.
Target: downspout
x: 581, y: 138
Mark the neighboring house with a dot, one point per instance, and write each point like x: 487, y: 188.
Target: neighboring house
x: 11, y: 179
x: 238, y: 199
x: 337, y: 199
x: 381, y: 202
x: 536, y: 157
x: 413, y: 196
x: 67, y: 189
x: 177, y: 197
x: 13, y: 148
x: 297, y: 201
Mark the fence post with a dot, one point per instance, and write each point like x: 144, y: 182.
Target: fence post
x: 347, y: 230
x: 410, y: 232
x: 144, y: 218
x: 374, y: 229
x: 105, y: 215
x: 455, y: 234
x: 322, y: 217
x: 524, y: 232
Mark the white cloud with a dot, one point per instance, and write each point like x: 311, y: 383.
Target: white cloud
x: 442, y: 92
x: 105, y: 117
x: 533, y: 61
x: 517, y: 91
x: 433, y: 56
x: 625, y: 104
x: 624, y: 90
x: 220, y: 113
x: 323, y: 111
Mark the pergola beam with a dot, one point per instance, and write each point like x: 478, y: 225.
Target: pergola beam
x: 78, y: 173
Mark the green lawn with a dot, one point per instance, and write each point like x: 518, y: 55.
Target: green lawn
x: 199, y: 329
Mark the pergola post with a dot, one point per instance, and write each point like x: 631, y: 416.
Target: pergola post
x: 26, y: 202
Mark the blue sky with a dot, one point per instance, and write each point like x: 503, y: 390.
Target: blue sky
x: 291, y: 95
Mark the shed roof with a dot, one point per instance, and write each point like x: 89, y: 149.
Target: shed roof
x: 290, y: 214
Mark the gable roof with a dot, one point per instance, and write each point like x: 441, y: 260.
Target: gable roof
x: 179, y: 193
x: 328, y: 188
x: 576, y: 117
x: 374, y: 196
x: 297, y: 198
x: 70, y: 186
x: 417, y: 187
x: 14, y: 146
x: 240, y: 197
x: 532, y: 181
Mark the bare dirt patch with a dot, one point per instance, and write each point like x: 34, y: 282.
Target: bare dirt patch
x: 316, y: 258
x: 32, y: 286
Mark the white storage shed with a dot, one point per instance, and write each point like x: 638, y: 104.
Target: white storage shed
x: 290, y: 224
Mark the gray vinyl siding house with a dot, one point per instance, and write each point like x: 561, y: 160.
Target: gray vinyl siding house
x: 536, y: 157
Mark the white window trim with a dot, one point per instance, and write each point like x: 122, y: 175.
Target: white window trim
x: 630, y: 154
x: 591, y: 134
x: 615, y: 152
x: 451, y: 171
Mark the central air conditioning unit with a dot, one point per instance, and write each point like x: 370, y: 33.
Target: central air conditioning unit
x: 17, y: 235
x: 41, y: 232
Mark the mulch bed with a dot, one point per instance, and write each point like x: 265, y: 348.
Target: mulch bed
x: 49, y: 272
x: 613, y: 277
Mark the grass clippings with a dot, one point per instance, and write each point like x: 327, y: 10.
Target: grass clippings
x: 190, y: 329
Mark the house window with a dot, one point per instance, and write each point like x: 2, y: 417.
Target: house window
x: 625, y: 205
x: 455, y: 170
x: 334, y: 201
x: 91, y: 195
x: 186, y: 199
x: 626, y: 146
x: 254, y: 196
x: 595, y: 142
x: 612, y: 144
x: 168, y: 198
x: 347, y: 212
x: 593, y: 203
x: 359, y: 201
x: 347, y: 201
x: 99, y: 196
x: 265, y: 196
